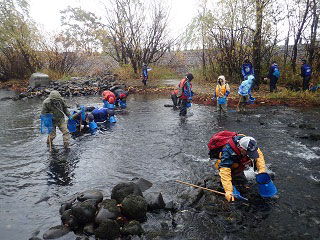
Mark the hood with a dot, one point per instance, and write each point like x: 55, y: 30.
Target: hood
x: 55, y: 95
x: 251, y: 78
x: 223, y: 80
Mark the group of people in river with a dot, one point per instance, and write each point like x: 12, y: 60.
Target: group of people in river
x: 233, y: 152
x: 182, y: 96
x: 85, y: 116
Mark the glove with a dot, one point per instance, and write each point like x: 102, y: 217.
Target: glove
x: 229, y: 196
x: 70, y: 117
x: 189, y: 98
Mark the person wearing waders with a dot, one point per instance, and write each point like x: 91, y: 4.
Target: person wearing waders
x: 274, y: 74
x: 185, y: 93
x: 56, y: 105
x: 245, y: 92
x: 222, y: 92
x: 239, y: 153
x: 305, y: 74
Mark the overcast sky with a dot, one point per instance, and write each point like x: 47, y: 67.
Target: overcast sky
x: 47, y: 12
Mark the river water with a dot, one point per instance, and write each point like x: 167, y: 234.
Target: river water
x: 154, y: 142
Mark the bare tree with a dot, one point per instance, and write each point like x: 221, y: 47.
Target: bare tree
x: 303, y: 7
x: 260, y: 6
x: 312, y: 46
x: 133, y: 35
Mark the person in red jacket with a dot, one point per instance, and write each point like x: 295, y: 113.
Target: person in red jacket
x: 185, y: 93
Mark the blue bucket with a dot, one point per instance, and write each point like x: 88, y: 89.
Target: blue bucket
x: 123, y: 104
x: 222, y: 100
x: 72, y: 125
x: 93, y: 127
x: 46, y: 123
x: 112, y: 119
x: 266, y: 188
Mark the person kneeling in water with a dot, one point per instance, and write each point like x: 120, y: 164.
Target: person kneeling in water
x: 239, y: 153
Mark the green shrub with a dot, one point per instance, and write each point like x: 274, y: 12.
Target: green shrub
x: 163, y: 72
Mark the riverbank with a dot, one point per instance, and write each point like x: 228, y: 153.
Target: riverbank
x: 203, y: 91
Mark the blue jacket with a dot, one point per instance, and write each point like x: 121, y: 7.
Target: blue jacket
x: 228, y: 156
x: 247, y: 69
x: 273, y: 71
x: 306, y: 70
x: 145, y: 73
x: 245, y: 87
x: 100, y: 114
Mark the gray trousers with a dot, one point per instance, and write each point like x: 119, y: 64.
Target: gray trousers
x: 63, y: 128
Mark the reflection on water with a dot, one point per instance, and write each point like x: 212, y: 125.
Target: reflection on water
x: 61, y: 167
x: 154, y: 142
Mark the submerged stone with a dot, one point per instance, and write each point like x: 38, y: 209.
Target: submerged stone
x: 155, y: 201
x: 134, y: 207
x: 122, y: 190
x: 142, y: 183
x: 56, y: 232
x: 90, y: 194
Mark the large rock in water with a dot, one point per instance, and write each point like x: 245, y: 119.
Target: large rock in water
x: 107, y: 230
x: 39, y: 80
x: 84, y: 212
x: 122, y: 190
x: 135, y: 208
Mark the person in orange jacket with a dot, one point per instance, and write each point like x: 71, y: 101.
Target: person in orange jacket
x: 237, y: 155
x: 221, y: 93
x: 108, y: 97
x: 185, y: 93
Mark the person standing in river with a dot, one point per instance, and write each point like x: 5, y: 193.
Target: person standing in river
x: 245, y: 92
x: 305, y: 74
x: 185, y: 93
x: 56, y: 105
x: 239, y: 153
x: 222, y: 92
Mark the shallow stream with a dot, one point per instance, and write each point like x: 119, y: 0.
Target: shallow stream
x: 154, y: 142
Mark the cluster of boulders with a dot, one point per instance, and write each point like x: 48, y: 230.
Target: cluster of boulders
x: 40, y: 86
x: 121, y: 215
